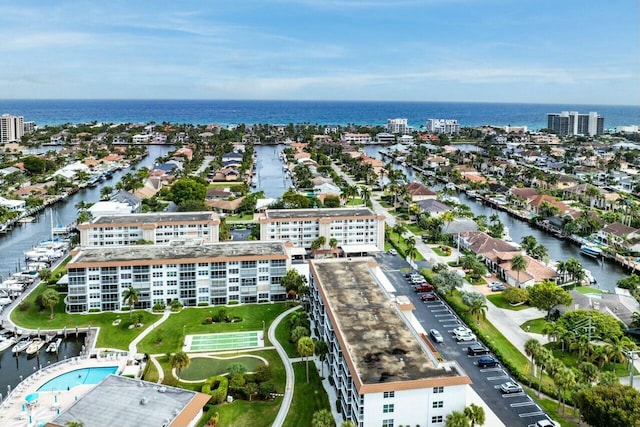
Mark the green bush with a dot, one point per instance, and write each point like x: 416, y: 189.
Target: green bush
x: 203, y: 304
x: 515, y: 295
x: 217, y: 387
x: 94, y: 310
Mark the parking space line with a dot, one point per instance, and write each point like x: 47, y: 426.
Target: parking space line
x: 499, y: 377
x: 521, y: 404
x: 508, y: 395
x: 445, y: 320
x: 531, y: 414
x: 443, y: 315
x: 440, y: 310
x: 494, y: 369
x: 448, y: 326
x: 465, y: 342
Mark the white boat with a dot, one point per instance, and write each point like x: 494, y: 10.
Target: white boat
x: 35, y: 346
x: 54, y: 345
x: 21, y: 345
x: 591, y: 250
x: 6, y: 342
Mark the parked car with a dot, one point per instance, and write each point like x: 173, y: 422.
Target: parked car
x: 510, y: 387
x: 465, y: 337
x: 476, y: 349
x: 410, y: 273
x: 486, y: 361
x: 435, y: 334
x: 462, y: 330
x: 498, y: 288
x: 429, y: 296
x: 546, y: 422
x: 417, y: 279
x: 424, y: 287
x: 393, y: 252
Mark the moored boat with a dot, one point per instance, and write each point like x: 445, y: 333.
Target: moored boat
x: 54, y: 345
x: 6, y: 342
x: 35, y: 346
x: 591, y: 250
x: 21, y: 345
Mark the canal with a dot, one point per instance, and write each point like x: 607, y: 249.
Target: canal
x: 270, y: 176
x: 606, y: 273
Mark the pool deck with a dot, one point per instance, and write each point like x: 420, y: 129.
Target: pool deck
x: 14, y: 412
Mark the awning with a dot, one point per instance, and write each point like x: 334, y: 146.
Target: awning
x: 351, y: 249
x: 298, y: 251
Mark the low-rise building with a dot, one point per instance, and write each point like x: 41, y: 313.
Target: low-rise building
x: 156, y: 228
x: 349, y: 226
x: 385, y: 372
x: 357, y: 138
x: 214, y: 273
x: 447, y: 126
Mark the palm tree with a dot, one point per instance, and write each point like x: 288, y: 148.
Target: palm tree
x: 528, y: 243
x: 306, y: 347
x: 478, y: 308
x: 518, y: 264
x: 561, y: 269
x: 178, y: 361
x: 531, y: 348
x: 333, y: 243
x: 50, y: 298
x: 457, y: 419
x: 322, y: 418
x: 322, y: 241
x: 411, y: 251
x: 365, y: 193
x: 475, y: 414
x: 399, y: 228
x: 565, y: 379
x: 321, y: 350
x: 131, y: 296
x: 543, y: 358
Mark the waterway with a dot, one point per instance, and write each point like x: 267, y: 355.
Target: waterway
x: 270, y: 176
x: 606, y: 273
x: 24, y: 236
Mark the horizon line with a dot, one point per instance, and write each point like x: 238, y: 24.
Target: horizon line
x: 313, y: 100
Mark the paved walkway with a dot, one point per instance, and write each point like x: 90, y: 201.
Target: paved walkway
x: 288, y: 367
x: 133, y: 345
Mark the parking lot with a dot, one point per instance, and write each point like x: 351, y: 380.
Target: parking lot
x: 514, y: 409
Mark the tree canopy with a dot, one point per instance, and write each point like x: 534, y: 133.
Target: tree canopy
x: 547, y: 295
x: 615, y: 405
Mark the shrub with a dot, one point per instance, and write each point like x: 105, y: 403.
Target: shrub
x: 265, y: 389
x: 515, y: 295
x: 263, y: 373
x: 237, y: 368
x: 24, y: 306
x: 208, y: 320
x: 220, y: 315
x: 159, y: 307
x: 94, y: 310
x: 217, y: 387
x: 203, y: 304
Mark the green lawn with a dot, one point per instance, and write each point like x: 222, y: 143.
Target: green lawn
x: 307, y: 397
x: 257, y: 413
x: 551, y: 408
x: 587, y: 290
x: 439, y: 251
x: 110, y: 336
x: 534, y: 325
x: 169, y: 336
x: 571, y: 360
x: 242, y: 217
x: 355, y: 201
x: 415, y: 229
x: 499, y: 301
x: 400, y: 242
x: 224, y: 184
x: 202, y: 368
x: 283, y: 331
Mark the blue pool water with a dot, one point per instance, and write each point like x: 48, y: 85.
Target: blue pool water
x: 71, y: 379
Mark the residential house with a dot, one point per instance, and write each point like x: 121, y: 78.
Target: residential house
x: 618, y: 235
x: 436, y: 162
x: 214, y: 193
x: 122, y: 196
x: 536, y: 204
x: 418, y: 191
x: 151, y: 186
x: 232, y: 156
x: 535, y: 271
x: 12, y: 205
x: 433, y: 207
x: 226, y: 174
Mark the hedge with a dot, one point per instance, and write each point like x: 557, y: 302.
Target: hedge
x: 219, y: 393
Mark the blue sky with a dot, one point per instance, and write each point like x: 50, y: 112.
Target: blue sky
x: 541, y: 51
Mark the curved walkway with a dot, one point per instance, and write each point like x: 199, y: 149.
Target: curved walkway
x: 133, y: 345
x: 288, y: 367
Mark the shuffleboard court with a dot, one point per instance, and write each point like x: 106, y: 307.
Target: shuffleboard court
x: 223, y: 341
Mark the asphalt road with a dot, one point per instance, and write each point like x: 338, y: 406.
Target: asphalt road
x: 514, y: 410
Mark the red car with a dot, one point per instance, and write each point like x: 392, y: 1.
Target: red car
x: 429, y: 296
x: 424, y: 287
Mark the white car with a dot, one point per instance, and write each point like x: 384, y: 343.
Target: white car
x: 465, y: 337
x: 510, y: 387
x: 462, y: 330
x: 437, y: 337
x: 546, y: 422
x: 393, y: 252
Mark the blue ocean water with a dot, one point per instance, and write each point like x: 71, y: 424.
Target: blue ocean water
x: 226, y: 112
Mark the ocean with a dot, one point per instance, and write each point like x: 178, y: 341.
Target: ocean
x: 227, y: 112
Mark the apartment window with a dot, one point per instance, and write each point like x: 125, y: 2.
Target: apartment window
x: 438, y: 404
x: 438, y: 390
x: 437, y: 419
x: 388, y: 408
x: 387, y: 423
x: 389, y: 394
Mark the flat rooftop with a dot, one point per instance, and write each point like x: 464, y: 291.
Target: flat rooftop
x: 180, y: 250
x: 318, y: 213
x: 126, y: 402
x: 381, y: 345
x: 145, y: 218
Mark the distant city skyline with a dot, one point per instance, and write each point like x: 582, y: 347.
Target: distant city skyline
x: 570, y: 52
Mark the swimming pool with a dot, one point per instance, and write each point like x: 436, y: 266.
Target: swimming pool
x: 71, y: 379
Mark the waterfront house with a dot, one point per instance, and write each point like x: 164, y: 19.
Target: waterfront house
x: 122, y: 196
x: 109, y: 208
x: 327, y: 188
x: 232, y: 156
x: 151, y: 186
x: 214, y: 193
x: 12, y: 205
x: 225, y: 174
x: 618, y: 235
x: 436, y: 162
x: 538, y: 203
x: 433, y: 207
x: 227, y: 206
x: 418, y: 191
x: 535, y: 271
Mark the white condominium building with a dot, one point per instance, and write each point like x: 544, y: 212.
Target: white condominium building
x: 443, y: 126
x: 397, y: 126
x: 353, y: 228
x: 358, y: 138
x: 215, y: 273
x: 384, y: 371
x: 11, y: 128
x: 155, y: 228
